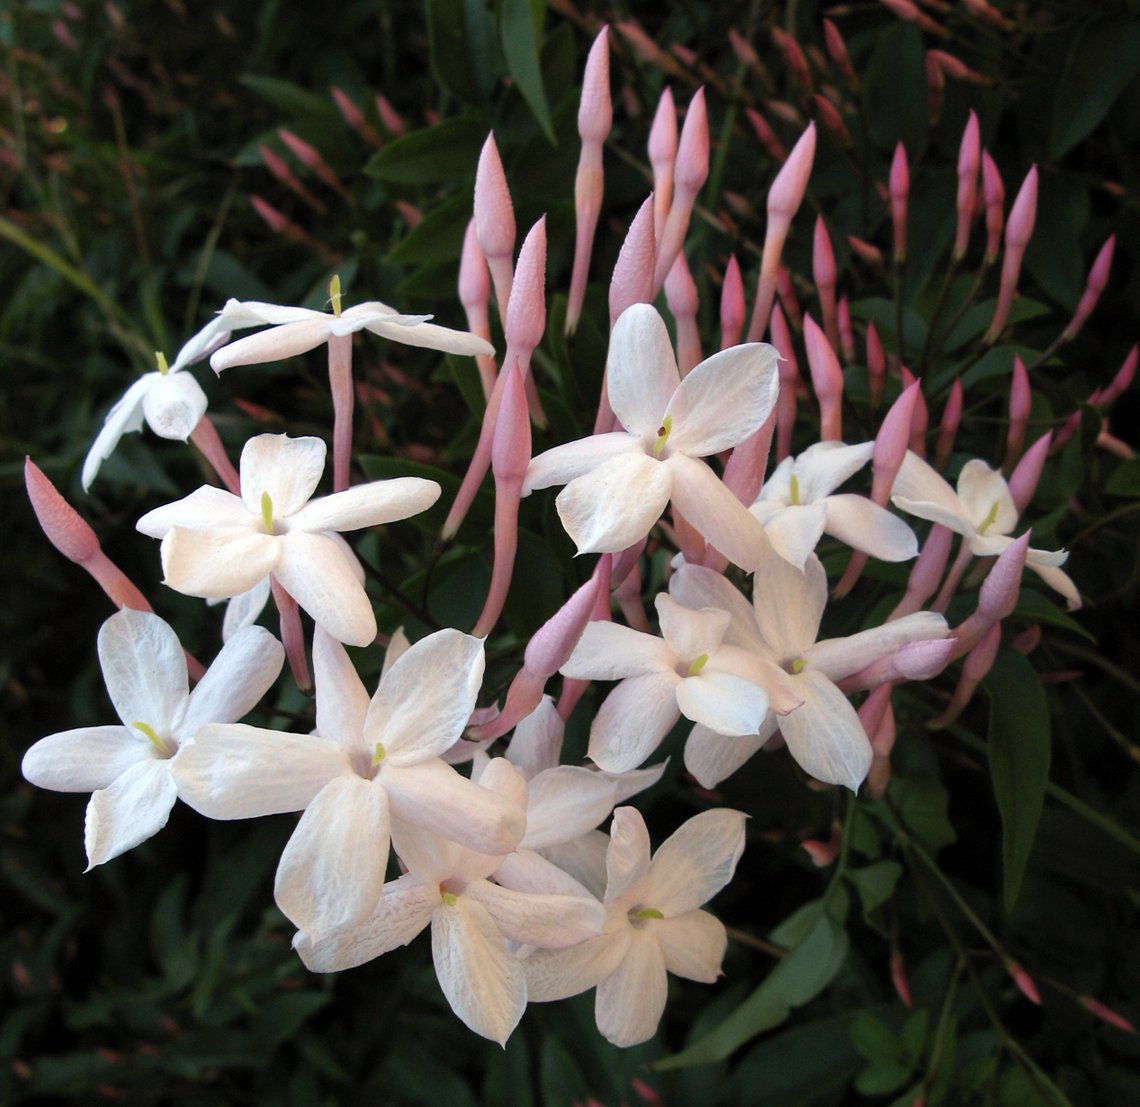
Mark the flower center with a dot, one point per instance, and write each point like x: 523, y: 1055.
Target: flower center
x: 267, y: 512
x: 160, y: 361
x: 378, y: 754
x: 148, y: 731
x: 698, y: 665
x: 663, y: 433
x: 449, y: 898
x: 334, y: 294
x: 989, y: 519
x: 798, y: 665
x: 640, y: 914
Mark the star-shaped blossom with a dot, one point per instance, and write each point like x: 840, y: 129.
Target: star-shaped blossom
x: 216, y: 545
x: 618, y: 484
x: 797, y: 507
x: 691, y: 670
x: 128, y: 768
x: 654, y: 923
x: 824, y: 734
x: 981, y: 510
x: 370, y: 772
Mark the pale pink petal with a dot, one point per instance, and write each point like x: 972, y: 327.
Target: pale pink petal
x: 789, y: 605
x: 482, y: 980
x: 716, y: 513
x: 633, y: 720
x: 287, y: 339
x: 237, y: 314
x: 694, y: 862
x: 918, y: 482
x: 558, y: 974
x: 144, y: 669
x: 424, y: 700
x: 234, y: 771
x: 584, y: 859
x: 723, y: 702
x: 124, y: 417
x: 332, y: 869
x: 635, y: 780
x: 131, y: 809
x: 86, y: 759
x: 631, y: 1000
x: 571, y: 460
x: 641, y: 371
x: 545, y: 921
x: 691, y: 634
x: 610, y: 651
x: 288, y: 469
x: 314, y: 572
x: 617, y: 504
x: 866, y: 526
x: 366, y: 505
x: 697, y: 587
x: 822, y: 468
x: 627, y: 855
x: 217, y: 564
x: 693, y: 944
x: 837, y: 658
x: 795, y: 531
x: 536, y: 743
x: 527, y: 871
x: 985, y: 497
x: 565, y: 802
x: 173, y: 405
x: 430, y: 856
x: 342, y: 701
x: 825, y: 735
x: 372, y: 314
x: 206, y: 508
x: 1058, y: 580
x: 937, y: 513
x: 723, y: 400
x: 431, y: 336
x: 713, y: 757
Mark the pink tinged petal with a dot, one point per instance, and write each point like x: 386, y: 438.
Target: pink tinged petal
x: 557, y: 974
x: 1058, y: 580
x: 432, y: 795
x: 430, y: 856
x: 537, y: 740
x: 206, y: 508
x: 484, y: 983
x: 631, y: 1000
x: 724, y: 400
x: 697, y: 587
x: 286, y: 339
x: 234, y: 771
x: 937, y: 513
x: 217, y: 564
x: 173, y: 405
x: 332, y: 869
x: 583, y: 859
x: 431, y: 336
x: 365, y: 505
x: 825, y: 735
x: 789, y: 605
x: 716, y: 513
x: 617, y: 504
x: 240, y: 675
x: 86, y: 759
x: 144, y: 669
x: 837, y: 658
x: 404, y: 909
x: 694, y: 945
x: 690, y: 633
x: 795, y: 531
x: 633, y: 720
x: 712, y: 757
x: 288, y: 469
x: 565, y: 463
x: 314, y: 572
x: 124, y: 417
x: 760, y: 670
x: 545, y: 921
x: 527, y: 871
x: 610, y: 651
x: 342, y: 701
x: 822, y: 468
x: 641, y: 371
x: 865, y: 526
x: 129, y: 811
x: 424, y: 700
x: 981, y: 490
x: 694, y: 863
x: 918, y: 482
x: 627, y: 855
x: 723, y: 702
x: 564, y: 803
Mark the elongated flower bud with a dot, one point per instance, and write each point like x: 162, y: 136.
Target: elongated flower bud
x: 926, y: 572
x: 389, y: 117
x: 823, y: 272
x: 277, y: 166
x: 632, y: 281
x: 948, y: 427
x: 732, y: 305
x: 310, y: 157
x: 978, y: 663
x: 794, y: 59
x: 475, y: 296
x: 663, y: 156
x: 354, y: 117
x: 789, y: 372
x: 1123, y: 379
x: 766, y: 136
x: 826, y: 379
x: 690, y: 171
x: 786, y: 291
x: 846, y: 330
x: 993, y: 193
x: 1020, y: 401
x: 829, y: 116
x: 969, y: 159
x: 526, y: 308
x: 1098, y: 278
x: 920, y: 418
x: 1025, y: 477
x: 681, y: 296
x: 837, y: 51
x: 495, y: 221
x: 876, y: 365
x: 900, y: 192
x: 1018, y: 231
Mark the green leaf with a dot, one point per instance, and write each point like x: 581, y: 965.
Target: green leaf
x: 873, y: 1040
x: 1036, y: 607
x: 291, y: 99
x: 447, y: 151
x: 1019, y: 751
x: 1103, y: 59
x: 438, y: 237
x: 520, y: 29
x: 923, y: 801
x: 882, y: 1078
x: 897, y: 63
x: 461, y: 48
x: 1125, y: 479
x: 875, y: 883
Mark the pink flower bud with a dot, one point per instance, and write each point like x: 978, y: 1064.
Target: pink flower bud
x: 899, y: 980
x: 526, y: 308
x: 389, y: 117
x: 511, y: 446
x: 766, y: 135
x: 1020, y: 401
x: 1098, y: 278
x: 823, y: 854
x: 732, y: 305
x: 277, y: 166
x: 1023, y: 480
x: 354, y: 117
x: 826, y: 379
x: 310, y: 157
x: 1024, y: 982
x: 789, y: 377
x: 999, y: 592
x: 969, y: 158
x: 900, y: 191
x: 632, y: 281
x: 920, y: 417
x: 786, y: 291
x: 662, y: 156
x: 595, y: 110
x: 1123, y: 379
x: 988, y: 12
x: 837, y: 51
x: 873, y: 710
x: 935, y: 87
x: 793, y: 58
x: 876, y: 364
x: 993, y: 194
x: 863, y: 250
x: 846, y: 330
x: 892, y: 442
x: 911, y: 13
x: 63, y: 526
x: 690, y: 171
x: 1065, y: 435
x: 1028, y: 640
x: 948, y: 427
x: 926, y: 572
x: 495, y: 220
x: 829, y: 116
x: 681, y: 296
x: 1095, y: 1007
x: 1018, y: 231
x: 554, y: 642
x: 474, y: 277
x: 823, y: 272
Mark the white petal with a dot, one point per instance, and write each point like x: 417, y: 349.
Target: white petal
x: 584, y: 859
x: 237, y: 314
x: 565, y: 463
x: 173, y: 405
x: 795, y: 531
x: 424, y: 700
x: 243, y: 609
x: 617, y: 504
x: 342, y: 701
x: 694, y: 863
x: 697, y: 587
x: 723, y: 702
x: 527, y: 871
x: 217, y: 564
x: 837, y: 658
x: 633, y: 720
x: 822, y: 468
x: 691, y: 634
x: 557, y: 974
x: 482, y: 980
x: 239, y: 676
x: 627, y: 856
x: 1058, y: 580
x: 144, y: 669
x: 124, y: 417
x: 405, y: 907
x: 366, y: 505
x: 610, y: 651
x: 716, y: 513
x: 724, y: 400
x: 234, y: 771
x: 285, y: 340
x: 431, y: 336
x: 984, y: 492
x: 641, y: 371
x: 85, y: 759
x: 314, y: 572
x: 825, y: 735
x: 631, y: 1000
x: 713, y: 757
x: 564, y: 803
x: 212, y: 336
x: 693, y: 944
x: 537, y: 740
x: 545, y: 921
x: 432, y: 857
x: 288, y: 469
x: 129, y: 811
x: 332, y: 869
x: 789, y: 605
x: 865, y: 526
x: 206, y: 508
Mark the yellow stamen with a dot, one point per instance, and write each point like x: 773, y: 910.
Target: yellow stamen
x: 334, y: 293
x: 648, y: 913
x: 448, y: 897
x: 379, y: 753
x: 699, y: 664
x: 158, y: 743
x: 267, y: 512
x: 663, y: 433
x: 988, y: 520
x: 160, y: 361
x: 795, y: 491
x: 798, y: 664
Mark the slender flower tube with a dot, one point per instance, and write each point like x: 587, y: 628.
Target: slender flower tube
x: 794, y: 59
x: 829, y: 116
x: 732, y: 305
x: 969, y: 159
x: 1018, y: 230
x: 280, y: 169
x: 495, y: 221
x: 978, y: 663
x: 1020, y: 401
x: 1098, y: 278
x: 690, y: 172
x: 595, y: 117
x: 1023, y: 480
x: 786, y: 294
x: 948, y: 427
x: 926, y: 572
x: 900, y: 192
x: 681, y: 296
x: 389, y: 117
x: 920, y: 419
x: 997, y: 597
x: 784, y: 198
x: 867, y: 252
x: 823, y: 273
x: 1122, y: 381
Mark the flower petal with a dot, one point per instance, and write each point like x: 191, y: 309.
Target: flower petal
x: 694, y: 862
x: 865, y: 526
x: 557, y: 974
x: 617, y: 504
x: 124, y: 417
x: 984, y: 493
x: 85, y: 759
x: 795, y: 531
x: 627, y: 855
x: 545, y: 921
x: 694, y: 945
x: 144, y: 669
x: 206, y: 508
x: 342, y: 701
x: 837, y: 658
x: 217, y: 564
x: 173, y: 405
x: 610, y: 651
x: 290, y: 337
x: 430, y: 336
x: 314, y: 571
x: 822, y: 468
x: 243, y: 609
x: 697, y: 587
x: 366, y: 505
x: 633, y: 720
x: 288, y: 469
x: 564, y: 803
x: 713, y: 757
x: 565, y: 463
x: 631, y: 1000
x: 691, y: 634
x: 723, y: 702
x: 129, y: 811
x: 789, y: 605
x: 641, y: 371
x: 825, y: 735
